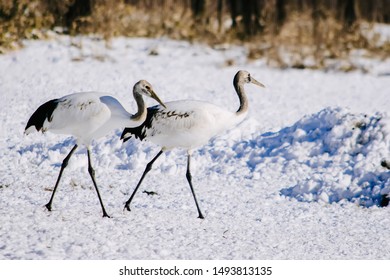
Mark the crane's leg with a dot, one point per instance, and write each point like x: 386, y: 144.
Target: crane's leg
x: 189, y: 179
x: 63, y: 165
x: 91, y: 172
x: 147, y: 169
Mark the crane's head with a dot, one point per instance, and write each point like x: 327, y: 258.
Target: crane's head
x: 243, y: 76
x: 145, y: 88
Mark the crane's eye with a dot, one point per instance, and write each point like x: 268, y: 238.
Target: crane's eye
x: 147, y: 87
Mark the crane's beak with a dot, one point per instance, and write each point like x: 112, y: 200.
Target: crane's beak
x: 254, y: 81
x: 155, y: 97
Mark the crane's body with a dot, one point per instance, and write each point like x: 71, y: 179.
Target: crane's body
x: 185, y: 124
x: 85, y: 115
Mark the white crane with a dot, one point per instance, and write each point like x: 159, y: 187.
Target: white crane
x: 88, y: 116
x: 188, y: 124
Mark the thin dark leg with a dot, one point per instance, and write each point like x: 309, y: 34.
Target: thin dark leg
x: 64, y: 164
x: 147, y: 169
x: 92, y: 173
x: 189, y: 179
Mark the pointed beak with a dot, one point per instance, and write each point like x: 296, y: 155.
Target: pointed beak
x: 155, y: 97
x: 253, y: 81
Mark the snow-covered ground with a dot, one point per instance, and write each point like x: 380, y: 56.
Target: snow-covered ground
x: 301, y: 178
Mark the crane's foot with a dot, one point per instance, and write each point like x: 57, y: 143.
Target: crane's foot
x: 105, y: 215
x: 127, y: 207
x: 48, y: 206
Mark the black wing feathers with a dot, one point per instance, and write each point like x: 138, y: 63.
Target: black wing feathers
x: 139, y: 131
x: 45, y: 111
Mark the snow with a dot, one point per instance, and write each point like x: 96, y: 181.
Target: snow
x: 301, y: 178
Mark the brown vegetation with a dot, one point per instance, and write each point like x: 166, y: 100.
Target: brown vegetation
x: 288, y: 33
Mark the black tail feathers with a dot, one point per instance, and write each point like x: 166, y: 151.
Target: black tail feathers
x: 43, y: 113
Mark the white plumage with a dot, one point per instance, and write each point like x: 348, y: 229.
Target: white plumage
x: 84, y: 115
x: 88, y: 116
x: 188, y: 124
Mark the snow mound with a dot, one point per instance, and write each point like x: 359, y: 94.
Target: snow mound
x: 336, y: 156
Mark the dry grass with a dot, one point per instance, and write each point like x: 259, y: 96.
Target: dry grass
x: 22, y: 19
x: 301, y: 42
x: 304, y: 43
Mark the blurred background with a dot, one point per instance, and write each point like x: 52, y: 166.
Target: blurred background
x: 286, y: 33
